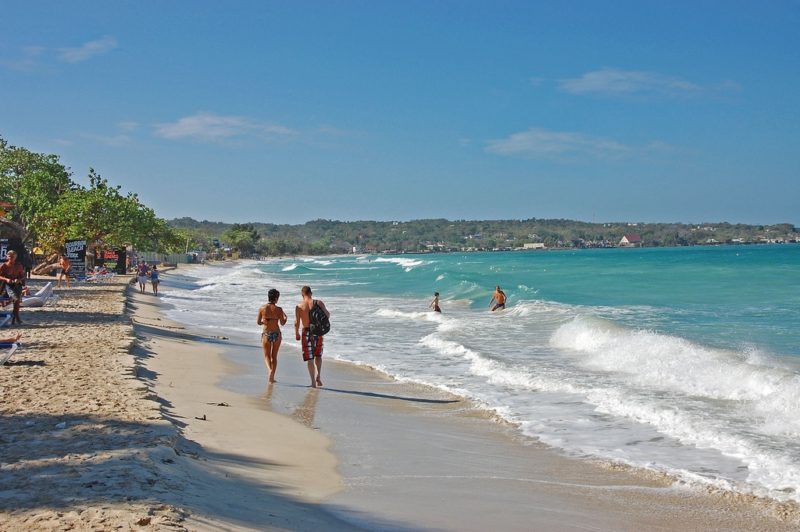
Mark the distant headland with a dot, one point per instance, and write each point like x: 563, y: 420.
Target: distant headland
x: 320, y: 237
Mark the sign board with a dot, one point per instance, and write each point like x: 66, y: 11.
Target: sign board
x: 113, y: 259
x: 76, y: 254
x: 3, y: 248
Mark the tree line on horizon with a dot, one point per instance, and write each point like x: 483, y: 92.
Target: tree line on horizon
x: 320, y: 237
x: 43, y: 207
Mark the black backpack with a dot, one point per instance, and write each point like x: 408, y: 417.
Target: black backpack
x: 319, y: 324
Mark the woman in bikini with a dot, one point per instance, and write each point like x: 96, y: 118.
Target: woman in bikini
x: 271, y: 317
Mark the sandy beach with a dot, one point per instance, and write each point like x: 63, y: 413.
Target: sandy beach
x: 114, y: 417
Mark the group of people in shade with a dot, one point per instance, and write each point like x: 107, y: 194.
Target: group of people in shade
x: 497, y: 302
x: 271, y: 317
x: 145, y: 272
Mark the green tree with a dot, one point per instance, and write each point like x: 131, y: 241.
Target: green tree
x: 33, y: 183
x: 104, y: 216
x: 243, y: 237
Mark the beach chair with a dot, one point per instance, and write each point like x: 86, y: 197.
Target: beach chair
x: 6, y: 350
x: 40, y: 298
x: 5, y: 319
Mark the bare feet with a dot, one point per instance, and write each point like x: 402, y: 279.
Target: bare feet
x: 319, y: 382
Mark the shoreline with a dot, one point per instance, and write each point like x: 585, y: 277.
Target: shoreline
x: 154, y: 437
x: 359, y: 407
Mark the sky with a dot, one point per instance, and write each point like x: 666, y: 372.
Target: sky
x: 284, y: 112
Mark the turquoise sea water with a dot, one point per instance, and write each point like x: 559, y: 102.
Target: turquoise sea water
x: 684, y: 360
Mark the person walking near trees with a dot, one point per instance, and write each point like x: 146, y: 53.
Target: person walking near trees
x: 141, y: 276
x: 154, y: 279
x: 66, y: 266
x: 312, y: 343
x: 12, y: 277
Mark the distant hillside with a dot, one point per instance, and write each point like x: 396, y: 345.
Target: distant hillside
x: 327, y: 236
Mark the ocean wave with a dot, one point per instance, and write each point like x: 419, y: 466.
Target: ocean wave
x: 670, y: 363
x: 406, y: 264
x: 420, y: 315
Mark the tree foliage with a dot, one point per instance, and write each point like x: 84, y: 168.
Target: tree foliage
x: 321, y: 237
x: 243, y: 237
x: 52, y: 208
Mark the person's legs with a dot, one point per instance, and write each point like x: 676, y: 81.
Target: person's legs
x: 15, y: 313
x: 66, y: 278
x: 311, y: 373
x: 318, y: 362
x: 309, y: 347
x: 265, y: 345
x: 273, y: 358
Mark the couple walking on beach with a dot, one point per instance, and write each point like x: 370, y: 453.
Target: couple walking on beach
x: 271, y: 317
x: 143, y: 272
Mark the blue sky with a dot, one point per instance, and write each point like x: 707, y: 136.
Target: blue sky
x: 649, y: 111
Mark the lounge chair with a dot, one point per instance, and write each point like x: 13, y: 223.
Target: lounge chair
x: 39, y: 298
x: 6, y: 350
x: 5, y: 318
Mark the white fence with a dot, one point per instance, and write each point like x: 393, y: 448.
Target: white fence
x: 157, y: 258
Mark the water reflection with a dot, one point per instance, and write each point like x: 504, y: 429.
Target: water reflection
x: 304, y: 413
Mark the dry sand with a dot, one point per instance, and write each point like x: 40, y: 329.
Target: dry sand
x: 86, y: 444
x: 127, y: 421
x: 82, y: 443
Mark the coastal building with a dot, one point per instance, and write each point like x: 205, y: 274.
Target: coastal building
x: 533, y: 245
x: 631, y: 241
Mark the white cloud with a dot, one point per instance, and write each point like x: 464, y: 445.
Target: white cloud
x: 87, y: 51
x: 545, y: 144
x: 28, y: 60
x: 115, y: 141
x: 128, y: 125
x: 614, y: 82
x: 211, y: 127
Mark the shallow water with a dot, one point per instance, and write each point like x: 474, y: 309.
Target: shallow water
x: 684, y: 360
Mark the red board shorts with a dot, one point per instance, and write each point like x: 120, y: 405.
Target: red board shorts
x: 312, y: 345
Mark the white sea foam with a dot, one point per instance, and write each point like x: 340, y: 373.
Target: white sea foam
x: 406, y: 264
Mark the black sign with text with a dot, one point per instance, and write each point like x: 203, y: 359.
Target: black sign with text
x: 76, y: 254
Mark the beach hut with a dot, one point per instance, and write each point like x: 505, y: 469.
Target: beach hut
x: 631, y: 241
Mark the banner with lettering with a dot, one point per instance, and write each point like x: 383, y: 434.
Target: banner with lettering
x: 112, y: 259
x: 76, y: 254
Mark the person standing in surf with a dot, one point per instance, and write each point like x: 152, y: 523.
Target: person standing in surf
x: 312, y: 344
x: 271, y: 317
x: 435, y: 303
x: 499, y: 298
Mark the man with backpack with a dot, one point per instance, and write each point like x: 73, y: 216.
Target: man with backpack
x: 313, y: 315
